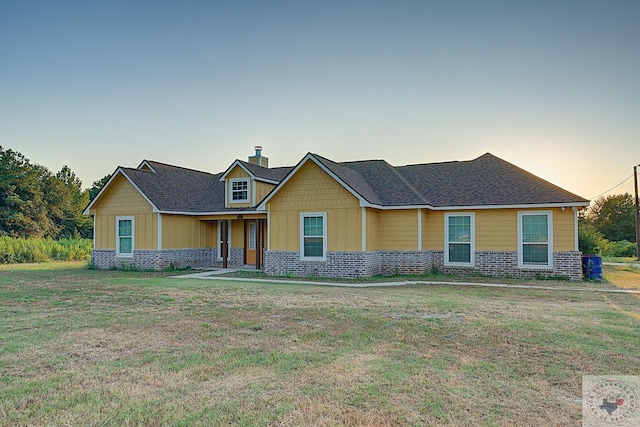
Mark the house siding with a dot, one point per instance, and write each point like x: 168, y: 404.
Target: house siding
x: 398, y: 230
x: 497, y: 229
x: 182, y: 232
x: 313, y: 190
x: 122, y: 199
x: 238, y: 172
x: 262, y: 189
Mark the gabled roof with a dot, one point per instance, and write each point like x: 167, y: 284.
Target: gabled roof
x: 485, y: 182
x: 175, y: 189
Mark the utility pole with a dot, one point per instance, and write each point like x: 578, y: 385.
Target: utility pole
x: 637, y: 207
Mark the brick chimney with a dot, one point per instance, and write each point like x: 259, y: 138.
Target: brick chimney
x: 259, y: 159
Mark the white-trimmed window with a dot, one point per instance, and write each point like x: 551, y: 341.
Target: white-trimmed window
x: 535, y: 239
x: 124, y: 236
x: 313, y: 236
x: 239, y: 190
x: 459, y: 235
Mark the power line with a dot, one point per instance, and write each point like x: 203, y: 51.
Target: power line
x: 611, y: 189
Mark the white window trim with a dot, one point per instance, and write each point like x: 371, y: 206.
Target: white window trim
x: 303, y: 215
x: 133, y: 235
x: 472, y: 259
x: 231, y: 182
x: 521, y: 263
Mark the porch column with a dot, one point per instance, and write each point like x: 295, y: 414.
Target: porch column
x: 258, y: 243
x: 225, y: 243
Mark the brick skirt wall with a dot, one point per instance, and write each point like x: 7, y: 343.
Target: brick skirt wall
x: 347, y: 264
x: 366, y: 264
x: 155, y: 260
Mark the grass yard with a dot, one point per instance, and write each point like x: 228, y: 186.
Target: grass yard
x: 114, y: 348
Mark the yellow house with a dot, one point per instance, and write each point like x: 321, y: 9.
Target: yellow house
x: 348, y: 219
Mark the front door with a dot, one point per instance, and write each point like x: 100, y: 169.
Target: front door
x: 250, y: 242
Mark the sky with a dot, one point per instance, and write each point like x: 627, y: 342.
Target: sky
x: 550, y: 86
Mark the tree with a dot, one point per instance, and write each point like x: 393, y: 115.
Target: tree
x: 75, y: 223
x: 614, y: 217
x: 36, y: 203
x: 97, y: 186
x: 23, y: 213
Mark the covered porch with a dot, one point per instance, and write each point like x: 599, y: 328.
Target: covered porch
x: 241, y: 239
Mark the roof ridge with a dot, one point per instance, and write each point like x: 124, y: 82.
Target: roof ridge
x: 175, y: 167
x: 411, y: 187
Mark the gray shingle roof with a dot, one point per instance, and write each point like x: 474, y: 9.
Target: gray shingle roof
x: 176, y: 189
x: 270, y: 174
x: 485, y: 181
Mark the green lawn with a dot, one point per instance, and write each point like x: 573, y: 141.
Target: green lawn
x: 113, y: 348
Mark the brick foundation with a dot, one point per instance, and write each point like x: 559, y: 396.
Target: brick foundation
x: 156, y: 260
x: 347, y: 264
x: 366, y: 264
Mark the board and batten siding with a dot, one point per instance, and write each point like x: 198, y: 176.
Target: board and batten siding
x: 122, y: 199
x: 313, y: 190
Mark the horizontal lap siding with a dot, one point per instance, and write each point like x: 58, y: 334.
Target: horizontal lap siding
x: 262, y: 189
x: 398, y: 230
x: 122, y: 199
x: 433, y: 231
x: 185, y: 232
x: 564, y: 230
x: 497, y: 229
x: 372, y: 229
x: 313, y: 190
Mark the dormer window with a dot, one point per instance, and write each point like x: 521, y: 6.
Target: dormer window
x: 239, y: 190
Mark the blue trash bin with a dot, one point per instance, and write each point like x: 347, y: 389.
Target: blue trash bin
x: 592, y: 267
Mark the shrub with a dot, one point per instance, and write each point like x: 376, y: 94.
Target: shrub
x: 623, y: 248
x: 589, y: 239
x: 19, y: 250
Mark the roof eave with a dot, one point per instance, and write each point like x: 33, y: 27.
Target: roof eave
x: 479, y: 207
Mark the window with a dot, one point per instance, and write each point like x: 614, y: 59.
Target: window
x: 313, y: 236
x: 535, y: 239
x: 239, y: 190
x: 459, y: 239
x: 252, y: 236
x: 124, y: 236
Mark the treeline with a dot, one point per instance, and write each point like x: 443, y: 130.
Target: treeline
x: 36, y: 203
x: 608, y: 227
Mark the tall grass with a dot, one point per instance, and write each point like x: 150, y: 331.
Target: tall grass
x: 19, y: 250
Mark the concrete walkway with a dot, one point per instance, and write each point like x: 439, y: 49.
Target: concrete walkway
x: 623, y: 264
x: 215, y: 274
